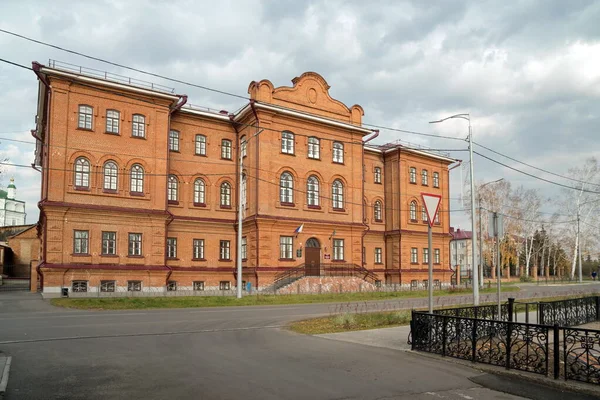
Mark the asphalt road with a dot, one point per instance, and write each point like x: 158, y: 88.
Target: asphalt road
x: 213, y: 353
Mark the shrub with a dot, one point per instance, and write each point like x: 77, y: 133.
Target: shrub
x: 525, y: 278
x: 346, y: 320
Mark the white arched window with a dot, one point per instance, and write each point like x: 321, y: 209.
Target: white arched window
x: 172, y: 188
x: 286, y: 188
x: 82, y: 173
x: 243, y: 146
x: 199, y: 191
x: 377, y: 211
x: 312, y: 190
x: 337, y: 194
x: 225, y: 194
x: 137, y: 178
x: 110, y: 176
x: 338, y: 152
x: 413, y: 210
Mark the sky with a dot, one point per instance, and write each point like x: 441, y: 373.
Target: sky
x: 528, y: 72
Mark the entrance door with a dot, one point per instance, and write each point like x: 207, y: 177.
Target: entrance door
x: 312, y: 257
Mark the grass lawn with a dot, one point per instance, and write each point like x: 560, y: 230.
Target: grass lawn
x: 351, y: 322
x: 129, y: 303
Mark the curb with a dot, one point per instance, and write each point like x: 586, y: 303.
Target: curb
x: 4, y: 377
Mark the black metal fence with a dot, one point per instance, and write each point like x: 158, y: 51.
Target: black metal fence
x: 475, y: 334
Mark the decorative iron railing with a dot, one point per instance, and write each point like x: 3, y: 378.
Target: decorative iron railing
x: 351, y: 270
x: 581, y: 354
x: 512, y: 345
x: 570, y: 312
x: 481, y: 312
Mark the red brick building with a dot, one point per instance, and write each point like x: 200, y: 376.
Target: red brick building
x: 140, y: 190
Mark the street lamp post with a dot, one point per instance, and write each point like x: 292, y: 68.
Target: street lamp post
x: 467, y: 117
x: 480, y: 230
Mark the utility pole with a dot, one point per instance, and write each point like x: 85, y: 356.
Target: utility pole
x: 498, y: 269
x: 480, y: 243
x: 467, y: 117
x: 240, y: 216
x: 579, y: 247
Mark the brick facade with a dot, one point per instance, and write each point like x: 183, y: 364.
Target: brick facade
x: 298, y: 132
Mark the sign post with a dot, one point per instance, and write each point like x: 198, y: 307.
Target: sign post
x: 432, y: 204
x: 496, y: 230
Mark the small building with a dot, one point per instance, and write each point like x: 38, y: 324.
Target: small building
x: 461, y: 251
x: 12, y: 211
x: 19, y: 254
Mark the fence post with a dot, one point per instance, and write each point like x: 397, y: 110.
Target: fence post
x: 508, y: 335
x: 511, y: 308
x: 474, y: 340
x: 412, y: 330
x: 541, y: 313
x: 557, y: 353
x: 597, y: 308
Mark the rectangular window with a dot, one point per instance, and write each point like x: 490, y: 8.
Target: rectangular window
x: 437, y: 218
x: 107, y: 286
x: 224, y: 253
x: 109, y: 243
x: 424, y: 178
x: 423, y: 214
x: 198, y: 286
x: 198, y: 249
x: 138, y: 126
x: 226, y: 149
x: 425, y: 255
x: 338, y: 152
x: 378, y: 254
x: 79, y: 286
x: 135, y: 244
x: 338, y: 249
x: 377, y: 175
x: 172, y: 286
x: 436, y: 180
x: 85, y: 117
x: 436, y: 256
x: 224, y: 285
x: 243, y: 146
x: 81, y: 242
x: 171, y: 247
x: 244, y: 248
x: 314, y: 148
x: 112, y: 121
x: 174, y: 141
x: 200, y: 145
x: 287, y: 142
x: 286, y: 247
x: 134, y: 286
x: 413, y: 175
x: 414, y: 255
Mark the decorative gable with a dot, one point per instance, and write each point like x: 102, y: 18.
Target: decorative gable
x: 309, y: 93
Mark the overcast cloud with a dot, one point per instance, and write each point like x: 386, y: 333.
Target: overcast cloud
x: 527, y: 71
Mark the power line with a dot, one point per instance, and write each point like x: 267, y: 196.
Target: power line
x: 534, y: 176
x: 414, y: 132
x: 15, y: 64
x: 537, y: 168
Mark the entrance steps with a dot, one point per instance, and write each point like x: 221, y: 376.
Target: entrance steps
x: 327, y: 284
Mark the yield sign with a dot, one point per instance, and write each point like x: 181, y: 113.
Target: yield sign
x: 432, y: 204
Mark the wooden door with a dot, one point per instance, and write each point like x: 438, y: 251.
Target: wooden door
x: 312, y: 261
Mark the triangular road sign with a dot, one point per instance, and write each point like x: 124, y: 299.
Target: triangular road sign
x: 432, y: 204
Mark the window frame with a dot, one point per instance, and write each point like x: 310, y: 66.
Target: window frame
x: 337, y: 195
x: 286, y: 247
x: 338, y: 249
x: 111, y: 176
x: 226, y: 149
x: 199, y: 192
x: 174, y: 140
x: 138, y: 126
x: 424, y: 217
x: 171, y: 286
x: 108, y: 243
x: 436, y: 180
x: 81, y: 245
x: 198, y: 286
x: 224, y: 250
x: 413, y: 211
x: 134, y: 286
x: 412, y: 175
x: 414, y: 255
x: 108, y: 286
x: 436, y: 256
x: 378, y: 211
x: 198, y: 249
x: 312, y: 192
x: 287, y: 142
x: 200, y: 145
x: 377, y: 177
x: 136, y: 179
x: 424, y: 177
x: 378, y: 255
x: 113, y: 122
x: 337, y: 152
x: 135, y: 241
x: 425, y: 255
x: 82, y: 173
x: 314, y: 148
x: 88, y: 117
x: 224, y: 285
x: 286, y: 188
x: 243, y: 146
x: 79, y: 286
x: 225, y: 195
x: 172, y: 248
x: 244, y: 247
x: 173, y: 189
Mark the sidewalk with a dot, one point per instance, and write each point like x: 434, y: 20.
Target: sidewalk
x: 4, y: 370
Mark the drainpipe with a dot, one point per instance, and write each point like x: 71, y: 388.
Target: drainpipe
x: 362, y: 238
x: 459, y: 163
x: 169, y: 220
x: 257, y: 152
x: 38, y: 269
x: 182, y: 101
